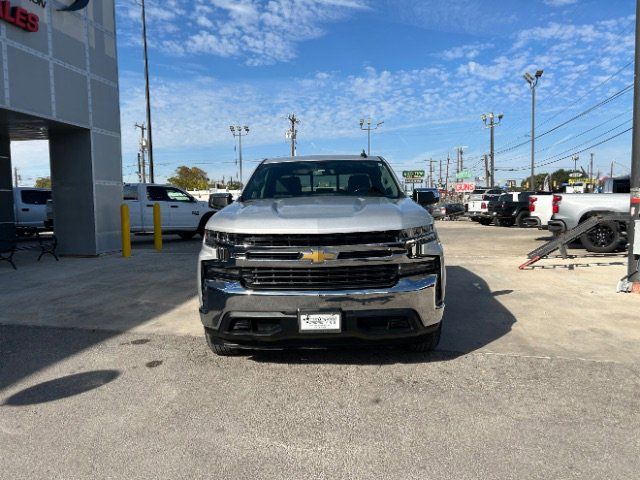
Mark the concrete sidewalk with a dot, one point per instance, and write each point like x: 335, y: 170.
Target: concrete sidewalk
x: 491, y: 305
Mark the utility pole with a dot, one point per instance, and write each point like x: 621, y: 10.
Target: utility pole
x: 368, y: 128
x: 431, y: 172
x: 575, y: 159
x: 591, y: 173
x: 292, y: 133
x: 440, y: 174
x: 142, y: 168
x: 147, y: 93
x: 489, y: 120
x: 16, y: 177
x: 486, y: 169
x: 532, y: 80
x: 446, y: 181
x: 239, y: 131
x: 634, y: 177
x: 611, y: 174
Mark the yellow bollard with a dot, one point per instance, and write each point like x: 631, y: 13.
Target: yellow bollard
x: 126, y: 230
x: 157, y: 227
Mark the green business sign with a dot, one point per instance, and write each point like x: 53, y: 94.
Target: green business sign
x: 464, y: 174
x: 413, y: 173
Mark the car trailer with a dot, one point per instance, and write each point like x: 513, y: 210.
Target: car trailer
x: 561, y: 241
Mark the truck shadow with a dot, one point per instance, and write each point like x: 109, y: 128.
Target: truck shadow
x: 473, y: 319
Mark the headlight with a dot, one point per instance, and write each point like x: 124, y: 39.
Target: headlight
x: 417, y: 240
x: 219, y: 241
x: 426, y: 234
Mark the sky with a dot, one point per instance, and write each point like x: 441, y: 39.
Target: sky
x: 427, y: 68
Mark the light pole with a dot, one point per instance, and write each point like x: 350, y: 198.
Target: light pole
x: 532, y: 80
x: 368, y: 128
x: 147, y: 94
x: 575, y: 159
x: 238, y: 131
x: 490, y: 122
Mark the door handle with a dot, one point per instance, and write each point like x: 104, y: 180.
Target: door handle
x: 25, y: 209
x: 150, y: 205
x: 174, y: 206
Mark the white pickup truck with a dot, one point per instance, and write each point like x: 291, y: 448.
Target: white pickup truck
x: 180, y: 212
x: 570, y: 210
x: 477, y: 207
x: 30, y: 208
x: 540, y: 211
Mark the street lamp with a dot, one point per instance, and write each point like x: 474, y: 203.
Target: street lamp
x: 368, y: 128
x: 532, y: 80
x: 239, y: 131
x: 490, y: 122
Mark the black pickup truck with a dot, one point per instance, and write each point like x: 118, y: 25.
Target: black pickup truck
x: 510, y: 209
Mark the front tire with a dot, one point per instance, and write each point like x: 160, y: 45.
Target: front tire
x: 427, y: 343
x: 219, y: 348
x: 603, y: 238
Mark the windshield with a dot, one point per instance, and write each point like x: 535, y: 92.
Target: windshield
x: 318, y: 178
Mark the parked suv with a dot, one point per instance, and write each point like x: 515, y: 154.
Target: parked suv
x: 318, y: 251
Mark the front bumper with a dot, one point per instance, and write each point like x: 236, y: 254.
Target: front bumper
x: 269, y: 319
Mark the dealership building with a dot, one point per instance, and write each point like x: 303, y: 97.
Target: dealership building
x: 59, y: 82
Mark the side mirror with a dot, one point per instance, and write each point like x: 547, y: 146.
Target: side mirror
x: 426, y: 198
x: 218, y: 202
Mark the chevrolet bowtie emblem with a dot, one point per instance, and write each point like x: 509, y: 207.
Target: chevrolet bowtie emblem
x: 318, y: 256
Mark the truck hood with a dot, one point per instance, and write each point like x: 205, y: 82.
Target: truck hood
x: 317, y: 215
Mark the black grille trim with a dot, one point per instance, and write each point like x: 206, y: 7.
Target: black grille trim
x: 320, y: 278
x: 303, y: 240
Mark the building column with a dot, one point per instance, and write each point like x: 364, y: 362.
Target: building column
x: 86, y: 178
x: 74, y: 219
x: 7, y: 218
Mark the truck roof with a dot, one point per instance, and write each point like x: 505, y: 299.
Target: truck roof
x: 319, y: 158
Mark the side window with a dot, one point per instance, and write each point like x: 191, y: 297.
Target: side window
x: 35, y: 197
x: 176, y: 195
x: 130, y: 192
x: 157, y: 194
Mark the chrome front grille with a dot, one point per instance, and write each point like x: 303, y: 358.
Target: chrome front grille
x: 320, y: 278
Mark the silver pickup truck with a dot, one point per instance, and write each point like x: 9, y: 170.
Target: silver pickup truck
x: 321, y: 251
x: 570, y: 210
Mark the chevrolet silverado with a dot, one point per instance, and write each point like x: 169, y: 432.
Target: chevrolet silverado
x: 321, y: 251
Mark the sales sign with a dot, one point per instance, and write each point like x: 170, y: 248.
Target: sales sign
x: 465, y: 187
x: 19, y: 17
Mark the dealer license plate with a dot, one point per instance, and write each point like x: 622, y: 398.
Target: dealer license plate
x: 320, y: 322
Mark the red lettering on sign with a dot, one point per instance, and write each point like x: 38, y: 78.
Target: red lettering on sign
x: 19, y: 17
x: 33, y: 22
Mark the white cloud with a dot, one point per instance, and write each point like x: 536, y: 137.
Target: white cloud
x: 465, y: 51
x: 559, y: 3
x: 259, y: 32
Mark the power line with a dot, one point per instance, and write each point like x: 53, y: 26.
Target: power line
x: 587, y: 93
x: 607, y: 100
x: 578, y: 135
x: 545, y: 162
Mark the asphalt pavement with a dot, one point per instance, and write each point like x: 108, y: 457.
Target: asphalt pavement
x: 510, y: 394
